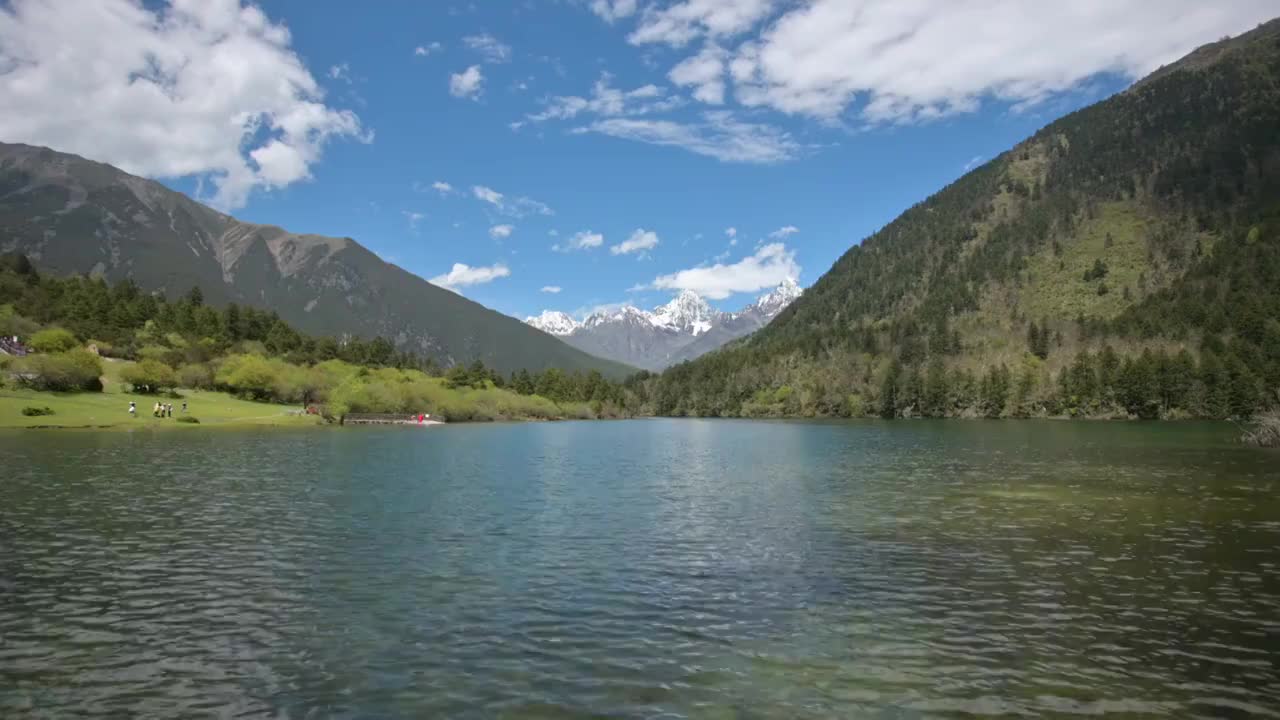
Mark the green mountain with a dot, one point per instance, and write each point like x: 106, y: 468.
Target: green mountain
x: 1123, y: 260
x: 72, y: 215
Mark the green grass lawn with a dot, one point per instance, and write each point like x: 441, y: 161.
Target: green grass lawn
x: 111, y: 409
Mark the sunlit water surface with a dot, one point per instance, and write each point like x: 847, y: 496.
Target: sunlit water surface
x: 662, y: 568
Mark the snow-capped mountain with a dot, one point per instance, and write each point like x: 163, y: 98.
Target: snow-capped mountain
x: 680, y: 330
x: 554, y: 322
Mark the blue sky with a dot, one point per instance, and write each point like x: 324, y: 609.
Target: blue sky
x: 802, y: 126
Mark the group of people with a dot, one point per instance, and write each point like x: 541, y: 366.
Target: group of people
x: 159, y: 410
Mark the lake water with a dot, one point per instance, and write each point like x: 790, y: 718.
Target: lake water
x: 662, y: 568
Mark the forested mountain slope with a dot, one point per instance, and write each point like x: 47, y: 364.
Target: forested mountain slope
x: 72, y: 215
x: 1124, y: 260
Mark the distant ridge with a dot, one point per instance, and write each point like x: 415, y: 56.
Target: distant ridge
x: 680, y: 330
x: 73, y: 215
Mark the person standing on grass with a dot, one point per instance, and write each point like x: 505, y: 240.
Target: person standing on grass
x: 133, y: 409
x: 184, y: 407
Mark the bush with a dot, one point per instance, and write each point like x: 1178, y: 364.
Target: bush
x: 32, y: 411
x: 105, y: 349
x: 190, y: 419
x: 198, y: 376
x: 251, y: 376
x: 66, y: 371
x: 1265, y: 431
x: 149, y: 376
x: 53, y: 340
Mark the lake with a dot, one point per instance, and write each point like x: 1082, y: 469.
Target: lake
x: 649, y: 568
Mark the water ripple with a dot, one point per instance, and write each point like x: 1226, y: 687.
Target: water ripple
x: 642, y: 569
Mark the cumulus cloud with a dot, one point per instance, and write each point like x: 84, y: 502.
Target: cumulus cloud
x: 513, y: 206
x: 681, y: 22
x: 640, y: 241
x: 497, y: 232
x: 489, y: 47
x: 769, y: 266
x: 462, y: 275
x: 584, y: 240
x: 613, y: 10
x: 608, y: 101
x: 442, y: 187
x: 731, y: 232
x: 784, y: 232
x: 719, y: 135
x: 705, y: 72
x: 916, y: 60
x: 428, y: 49
x: 206, y: 90
x: 553, y: 289
x: 467, y: 84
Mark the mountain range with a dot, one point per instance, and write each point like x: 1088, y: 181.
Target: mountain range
x: 72, y: 215
x: 680, y: 330
x: 1124, y: 260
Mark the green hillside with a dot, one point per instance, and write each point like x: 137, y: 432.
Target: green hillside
x: 72, y: 215
x: 1125, y: 260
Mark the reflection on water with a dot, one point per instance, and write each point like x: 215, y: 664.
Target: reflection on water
x: 641, y: 569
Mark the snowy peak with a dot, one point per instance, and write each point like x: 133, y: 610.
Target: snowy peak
x: 688, y: 312
x: 553, y: 322
x: 679, y: 330
x: 772, y: 302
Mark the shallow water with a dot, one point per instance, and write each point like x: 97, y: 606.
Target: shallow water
x: 663, y: 568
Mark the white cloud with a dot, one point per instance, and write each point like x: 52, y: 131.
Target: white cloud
x: 681, y: 22
x: 784, y: 232
x: 489, y: 47
x: 489, y: 195
x: 553, y: 289
x: 428, y: 49
x: 442, y: 187
x: 513, y: 206
x: 607, y: 101
x: 413, y: 217
x: 769, y: 266
x: 462, y: 275
x: 973, y: 163
x: 731, y: 232
x: 498, y: 232
x: 341, y: 72
x: 916, y: 60
x: 720, y: 135
x: 584, y: 240
x: 467, y: 84
x: 210, y: 90
x: 705, y: 72
x: 639, y: 241
x: 613, y: 10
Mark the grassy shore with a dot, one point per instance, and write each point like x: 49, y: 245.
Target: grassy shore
x: 111, y: 410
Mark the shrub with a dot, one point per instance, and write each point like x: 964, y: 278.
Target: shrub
x: 11, y: 323
x: 190, y: 419
x: 249, y: 376
x: 32, y: 411
x: 197, y: 375
x: 53, y: 340
x: 1265, y: 431
x: 105, y: 349
x: 149, y: 376
x: 66, y: 371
